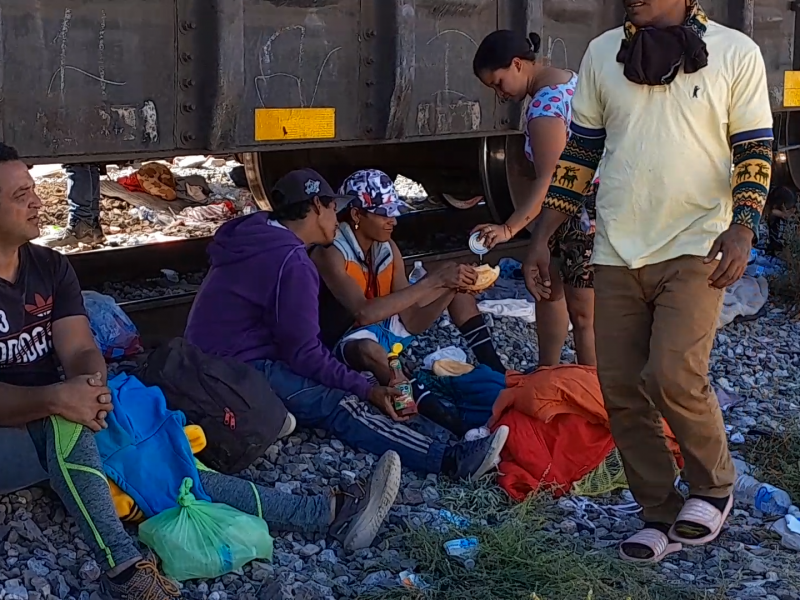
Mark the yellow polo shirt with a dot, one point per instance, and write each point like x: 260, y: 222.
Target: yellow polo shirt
x: 666, y: 185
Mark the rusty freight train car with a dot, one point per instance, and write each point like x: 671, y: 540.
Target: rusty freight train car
x: 338, y: 84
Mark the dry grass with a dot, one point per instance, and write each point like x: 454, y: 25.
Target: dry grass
x: 520, y: 560
x: 777, y: 458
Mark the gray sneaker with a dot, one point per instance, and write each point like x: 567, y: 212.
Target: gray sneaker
x: 474, y: 459
x: 72, y: 235
x: 360, y: 510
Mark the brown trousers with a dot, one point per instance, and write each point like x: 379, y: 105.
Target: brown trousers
x: 655, y: 327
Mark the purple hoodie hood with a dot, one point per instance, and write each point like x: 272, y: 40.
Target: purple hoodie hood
x: 248, y: 237
x: 260, y: 301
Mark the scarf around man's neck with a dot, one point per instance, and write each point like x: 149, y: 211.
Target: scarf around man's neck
x: 654, y: 56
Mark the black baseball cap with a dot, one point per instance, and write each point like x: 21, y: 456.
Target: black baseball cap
x: 306, y: 184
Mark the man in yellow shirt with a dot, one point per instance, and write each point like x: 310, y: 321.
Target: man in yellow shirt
x: 677, y: 102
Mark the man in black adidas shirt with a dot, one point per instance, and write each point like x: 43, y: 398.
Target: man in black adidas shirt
x: 43, y: 325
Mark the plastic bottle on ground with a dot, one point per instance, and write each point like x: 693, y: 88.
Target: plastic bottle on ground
x: 417, y: 273
x: 766, y: 498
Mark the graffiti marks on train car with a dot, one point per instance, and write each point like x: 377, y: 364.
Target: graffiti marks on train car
x: 302, y: 3
x: 60, y: 73
x: 459, y: 116
x: 405, y: 69
x: 130, y: 123
x: 552, y: 45
x: 449, y: 110
x: 101, y: 116
x: 455, y: 8
x: 150, y: 121
x: 296, y: 73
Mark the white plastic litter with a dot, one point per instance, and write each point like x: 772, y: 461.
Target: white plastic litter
x: 448, y: 353
x: 789, y: 529
x: 578, y: 505
x: 170, y: 275
x: 510, y: 307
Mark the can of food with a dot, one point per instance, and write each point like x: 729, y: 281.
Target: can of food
x: 475, y: 244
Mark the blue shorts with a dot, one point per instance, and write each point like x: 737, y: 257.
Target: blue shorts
x: 387, y: 333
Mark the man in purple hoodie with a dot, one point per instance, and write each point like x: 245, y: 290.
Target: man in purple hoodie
x: 259, y: 304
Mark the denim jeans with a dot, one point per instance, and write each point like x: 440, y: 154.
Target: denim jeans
x: 83, y: 193
x: 351, y: 420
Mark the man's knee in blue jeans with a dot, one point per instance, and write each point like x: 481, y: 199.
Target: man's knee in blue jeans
x: 350, y: 419
x: 310, y: 402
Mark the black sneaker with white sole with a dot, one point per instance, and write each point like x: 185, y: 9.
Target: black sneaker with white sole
x: 472, y: 460
x: 361, y: 509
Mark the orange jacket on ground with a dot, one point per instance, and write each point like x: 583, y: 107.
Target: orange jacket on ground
x: 559, y: 428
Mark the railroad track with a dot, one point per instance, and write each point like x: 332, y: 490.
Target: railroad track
x: 160, y: 319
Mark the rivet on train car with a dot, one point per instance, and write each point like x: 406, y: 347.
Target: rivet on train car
x: 368, y: 129
x: 369, y: 103
x: 505, y: 121
x: 188, y: 107
x: 187, y: 83
x: 187, y: 136
x: 369, y: 82
x: 186, y: 57
x: 369, y: 33
x: 369, y: 60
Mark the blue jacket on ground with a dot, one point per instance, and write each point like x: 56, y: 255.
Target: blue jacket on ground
x: 473, y: 393
x: 145, y: 450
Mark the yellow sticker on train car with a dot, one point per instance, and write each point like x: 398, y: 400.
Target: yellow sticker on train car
x: 791, y: 89
x: 284, y: 124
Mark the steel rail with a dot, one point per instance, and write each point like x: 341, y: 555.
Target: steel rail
x: 161, y: 319
x: 417, y: 230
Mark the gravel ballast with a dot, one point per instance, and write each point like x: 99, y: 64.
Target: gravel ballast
x: 43, y: 557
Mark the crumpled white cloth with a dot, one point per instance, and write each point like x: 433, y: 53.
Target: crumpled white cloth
x: 744, y: 298
x: 448, y: 353
x: 509, y: 307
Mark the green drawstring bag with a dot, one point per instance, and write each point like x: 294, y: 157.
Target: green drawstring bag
x: 204, y: 540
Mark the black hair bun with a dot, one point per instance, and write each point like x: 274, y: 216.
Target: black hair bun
x: 535, y: 41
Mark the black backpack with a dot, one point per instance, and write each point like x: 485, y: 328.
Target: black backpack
x: 240, y: 414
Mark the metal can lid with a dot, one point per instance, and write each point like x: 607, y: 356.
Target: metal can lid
x: 476, y: 246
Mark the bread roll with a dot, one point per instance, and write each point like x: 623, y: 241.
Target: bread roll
x: 486, y: 277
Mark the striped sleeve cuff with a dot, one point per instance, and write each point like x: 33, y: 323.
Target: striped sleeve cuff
x: 752, y: 136
x: 752, y: 163
x: 586, y: 132
x: 575, y: 171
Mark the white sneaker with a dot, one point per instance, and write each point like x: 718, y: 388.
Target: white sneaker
x: 288, y: 426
